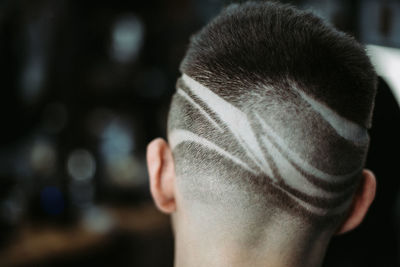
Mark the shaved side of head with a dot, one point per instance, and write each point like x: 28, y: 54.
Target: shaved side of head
x: 271, y: 116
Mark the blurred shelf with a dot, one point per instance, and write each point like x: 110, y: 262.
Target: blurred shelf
x: 34, y: 244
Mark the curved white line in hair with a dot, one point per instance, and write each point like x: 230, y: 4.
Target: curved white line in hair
x: 179, y: 136
x: 343, y: 127
x: 238, y: 123
x: 294, y: 178
x: 234, y: 119
x: 321, y: 211
x: 299, y: 161
x: 202, y: 111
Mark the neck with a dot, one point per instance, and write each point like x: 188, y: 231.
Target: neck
x: 221, y: 246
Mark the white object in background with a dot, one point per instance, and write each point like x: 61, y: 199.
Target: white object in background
x: 387, y: 64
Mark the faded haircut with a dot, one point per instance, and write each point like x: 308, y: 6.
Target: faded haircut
x: 273, y: 107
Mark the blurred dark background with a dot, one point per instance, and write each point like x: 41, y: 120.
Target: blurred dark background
x: 85, y: 85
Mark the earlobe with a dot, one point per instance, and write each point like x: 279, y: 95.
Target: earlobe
x: 362, y: 200
x: 161, y: 170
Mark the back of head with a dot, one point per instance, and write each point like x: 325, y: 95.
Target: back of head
x: 269, y: 121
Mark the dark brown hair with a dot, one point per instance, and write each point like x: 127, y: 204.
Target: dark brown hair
x: 306, y: 91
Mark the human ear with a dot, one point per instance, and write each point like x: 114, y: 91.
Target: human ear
x: 362, y: 200
x: 161, y: 170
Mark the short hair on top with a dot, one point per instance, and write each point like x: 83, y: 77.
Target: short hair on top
x: 272, y: 108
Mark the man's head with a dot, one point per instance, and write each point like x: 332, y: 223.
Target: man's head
x: 268, y: 126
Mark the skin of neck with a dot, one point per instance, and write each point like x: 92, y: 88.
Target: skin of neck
x: 215, y: 240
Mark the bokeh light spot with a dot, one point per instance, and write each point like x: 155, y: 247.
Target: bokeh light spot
x: 127, y: 38
x: 81, y: 165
